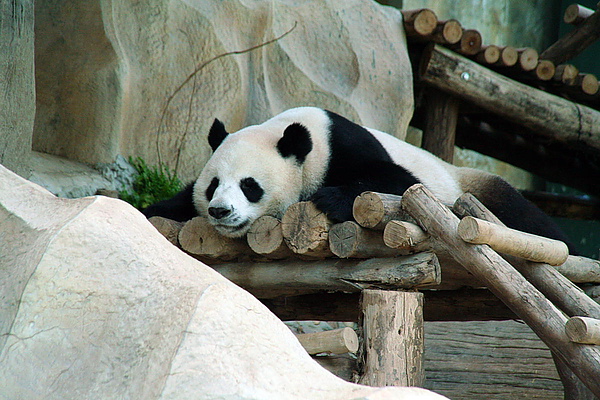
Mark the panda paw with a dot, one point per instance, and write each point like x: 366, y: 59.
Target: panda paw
x: 335, y: 202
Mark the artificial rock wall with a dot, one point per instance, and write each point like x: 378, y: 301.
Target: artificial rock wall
x: 148, y: 78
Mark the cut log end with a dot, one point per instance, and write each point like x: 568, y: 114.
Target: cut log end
x: 528, y: 59
x: 420, y: 22
x: 583, y: 330
x: 305, y: 230
x: 336, y: 341
x: 576, y: 14
x: 470, y: 42
x: 266, y: 237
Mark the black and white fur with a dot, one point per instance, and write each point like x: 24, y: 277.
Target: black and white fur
x: 308, y: 153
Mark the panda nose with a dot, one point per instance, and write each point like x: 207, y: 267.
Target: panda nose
x: 218, y: 212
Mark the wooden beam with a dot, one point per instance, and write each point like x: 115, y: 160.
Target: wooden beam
x: 576, y: 41
x: 566, y: 163
x: 506, y: 283
x: 543, y: 113
x: 392, y: 337
x: 294, y: 277
x: 439, y: 305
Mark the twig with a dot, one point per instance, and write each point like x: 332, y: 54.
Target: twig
x: 200, y: 68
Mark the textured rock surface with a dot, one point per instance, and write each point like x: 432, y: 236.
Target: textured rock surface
x: 17, y: 86
x: 97, y: 304
x: 112, y: 76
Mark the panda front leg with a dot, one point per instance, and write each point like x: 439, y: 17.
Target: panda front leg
x: 337, y: 201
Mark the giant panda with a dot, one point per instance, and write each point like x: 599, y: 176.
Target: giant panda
x: 308, y: 153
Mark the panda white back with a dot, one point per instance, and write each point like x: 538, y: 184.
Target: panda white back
x: 439, y: 176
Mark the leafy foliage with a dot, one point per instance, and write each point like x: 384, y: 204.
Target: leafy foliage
x: 152, y: 184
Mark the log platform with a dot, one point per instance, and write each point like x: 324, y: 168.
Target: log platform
x: 380, y: 277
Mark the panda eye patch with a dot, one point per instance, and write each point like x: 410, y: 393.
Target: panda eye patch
x: 210, y: 190
x: 251, y: 190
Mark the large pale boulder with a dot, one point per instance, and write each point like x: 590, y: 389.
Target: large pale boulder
x: 147, y: 78
x: 98, y: 305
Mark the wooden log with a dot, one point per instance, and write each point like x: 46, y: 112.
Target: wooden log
x: 374, y: 210
x: 576, y: 14
x: 350, y: 240
x: 469, y: 44
x: 265, y: 237
x: 392, y: 337
x: 513, y: 242
x: 583, y: 330
x: 421, y: 22
x: 335, y: 341
x: 506, y: 283
x: 528, y: 59
x: 508, y: 57
x: 588, y: 83
x: 168, y: 228
x: 406, y: 236
x: 305, y: 230
x: 545, y: 70
x: 545, y: 278
x: 553, y: 285
x: 566, y: 74
x: 544, y: 113
x: 294, y: 277
x: 447, y: 32
x: 579, y: 269
x: 199, y: 238
x: 441, y: 114
x: 573, y: 43
x: 488, y: 54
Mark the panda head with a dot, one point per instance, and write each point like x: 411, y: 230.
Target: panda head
x: 259, y: 170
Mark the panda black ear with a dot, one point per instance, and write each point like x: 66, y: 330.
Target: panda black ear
x: 217, y: 134
x: 295, y: 142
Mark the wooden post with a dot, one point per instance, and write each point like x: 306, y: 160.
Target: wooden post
x: 506, y: 283
x: 335, y: 341
x: 441, y: 115
x: 392, y: 338
x: 544, y: 113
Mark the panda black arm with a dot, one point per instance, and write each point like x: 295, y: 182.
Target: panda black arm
x: 336, y: 200
x: 179, y: 208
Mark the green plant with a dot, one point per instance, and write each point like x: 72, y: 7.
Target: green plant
x: 151, y: 185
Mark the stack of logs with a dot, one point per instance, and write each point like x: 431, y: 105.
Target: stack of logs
x: 547, y: 70
x: 395, y: 246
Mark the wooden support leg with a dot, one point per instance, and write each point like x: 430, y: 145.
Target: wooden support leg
x: 392, y: 338
x: 440, y: 124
